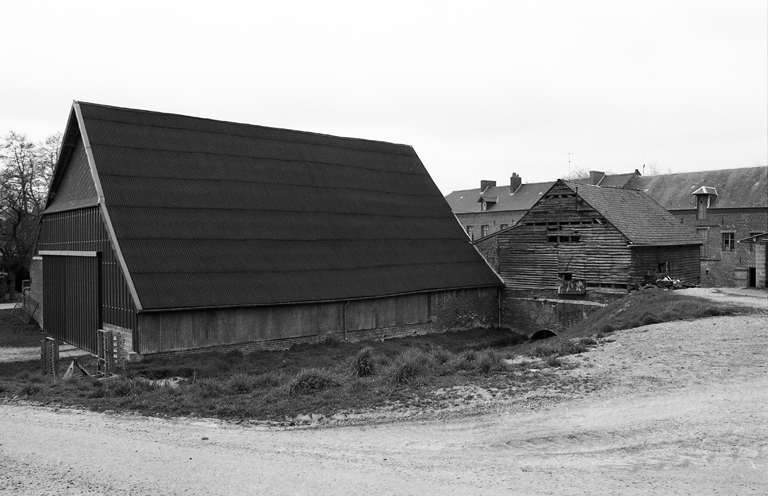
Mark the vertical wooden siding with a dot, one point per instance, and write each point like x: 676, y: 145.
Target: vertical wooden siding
x: 83, y: 230
x: 71, y: 294
x: 180, y: 330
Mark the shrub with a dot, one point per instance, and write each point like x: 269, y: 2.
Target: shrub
x: 488, y: 361
x: 468, y: 355
x: 30, y: 388
x: 554, y: 361
x: 308, y: 380
x: 363, y: 363
x: 241, y: 383
x: 440, y: 355
x: 649, y: 319
x: 208, y: 388
x: 267, y: 380
x: 120, y: 388
x: 410, y: 364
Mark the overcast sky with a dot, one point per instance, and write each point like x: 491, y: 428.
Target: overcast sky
x: 480, y: 89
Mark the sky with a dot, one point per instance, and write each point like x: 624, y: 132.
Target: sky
x: 480, y: 89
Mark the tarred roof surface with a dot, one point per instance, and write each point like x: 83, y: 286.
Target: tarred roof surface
x: 210, y: 213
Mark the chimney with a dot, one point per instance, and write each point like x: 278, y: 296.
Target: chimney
x: 595, y: 177
x: 514, y: 183
x: 484, y: 185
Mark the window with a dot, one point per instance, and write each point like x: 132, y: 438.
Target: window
x: 483, y: 206
x: 503, y: 226
x: 483, y: 231
x: 729, y: 241
x: 563, y: 239
x: 703, y: 233
x: 471, y: 232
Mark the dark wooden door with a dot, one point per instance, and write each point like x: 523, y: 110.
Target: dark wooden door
x: 72, y: 299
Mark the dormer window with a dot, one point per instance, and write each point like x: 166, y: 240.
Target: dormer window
x: 487, y: 201
x: 704, y: 198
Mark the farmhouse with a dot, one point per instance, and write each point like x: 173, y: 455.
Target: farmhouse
x: 183, y: 233
x: 723, y: 206
x: 585, y: 240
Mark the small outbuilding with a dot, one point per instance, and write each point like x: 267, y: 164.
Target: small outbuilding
x: 183, y: 233
x: 580, y: 239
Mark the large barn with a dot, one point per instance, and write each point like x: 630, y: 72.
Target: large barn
x: 184, y: 233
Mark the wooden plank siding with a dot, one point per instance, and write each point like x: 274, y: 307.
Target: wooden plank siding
x: 82, y: 230
x: 529, y: 260
x: 181, y: 330
x: 683, y: 263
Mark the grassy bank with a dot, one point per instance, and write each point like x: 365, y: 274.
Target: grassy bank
x: 436, y: 371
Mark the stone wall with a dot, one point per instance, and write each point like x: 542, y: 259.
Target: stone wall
x: 489, y: 249
x: 533, y: 314
x: 33, y: 302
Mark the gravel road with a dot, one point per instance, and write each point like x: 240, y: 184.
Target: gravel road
x: 681, y: 409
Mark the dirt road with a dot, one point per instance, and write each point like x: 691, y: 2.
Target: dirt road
x: 681, y: 409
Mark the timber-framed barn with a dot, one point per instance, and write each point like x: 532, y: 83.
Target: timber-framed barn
x: 580, y: 239
x: 185, y: 233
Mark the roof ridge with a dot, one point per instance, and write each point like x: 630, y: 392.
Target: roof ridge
x: 243, y: 124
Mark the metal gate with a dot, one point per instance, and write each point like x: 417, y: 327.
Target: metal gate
x: 72, y: 298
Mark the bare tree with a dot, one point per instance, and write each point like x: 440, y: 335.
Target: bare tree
x: 25, y: 174
x: 578, y: 173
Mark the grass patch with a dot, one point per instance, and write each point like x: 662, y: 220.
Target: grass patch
x: 651, y: 306
x: 332, y: 377
x: 15, y: 333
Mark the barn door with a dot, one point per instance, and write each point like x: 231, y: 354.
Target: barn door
x: 72, y: 298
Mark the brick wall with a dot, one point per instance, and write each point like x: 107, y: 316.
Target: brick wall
x: 718, y: 267
x: 492, y: 219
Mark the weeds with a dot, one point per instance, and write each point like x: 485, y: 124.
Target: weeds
x: 309, y: 380
x: 363, y: 365
x: 410, y: 364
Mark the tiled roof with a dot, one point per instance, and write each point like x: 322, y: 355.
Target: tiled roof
x: 643, y: 221
x: 523, y: 199
x: 736, y: 188
x: 210, y: 213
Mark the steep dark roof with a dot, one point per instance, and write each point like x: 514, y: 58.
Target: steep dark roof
x: 637, y: 216
x: 736, y: 188
x: 210, y: 213
x: 523, y: 199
